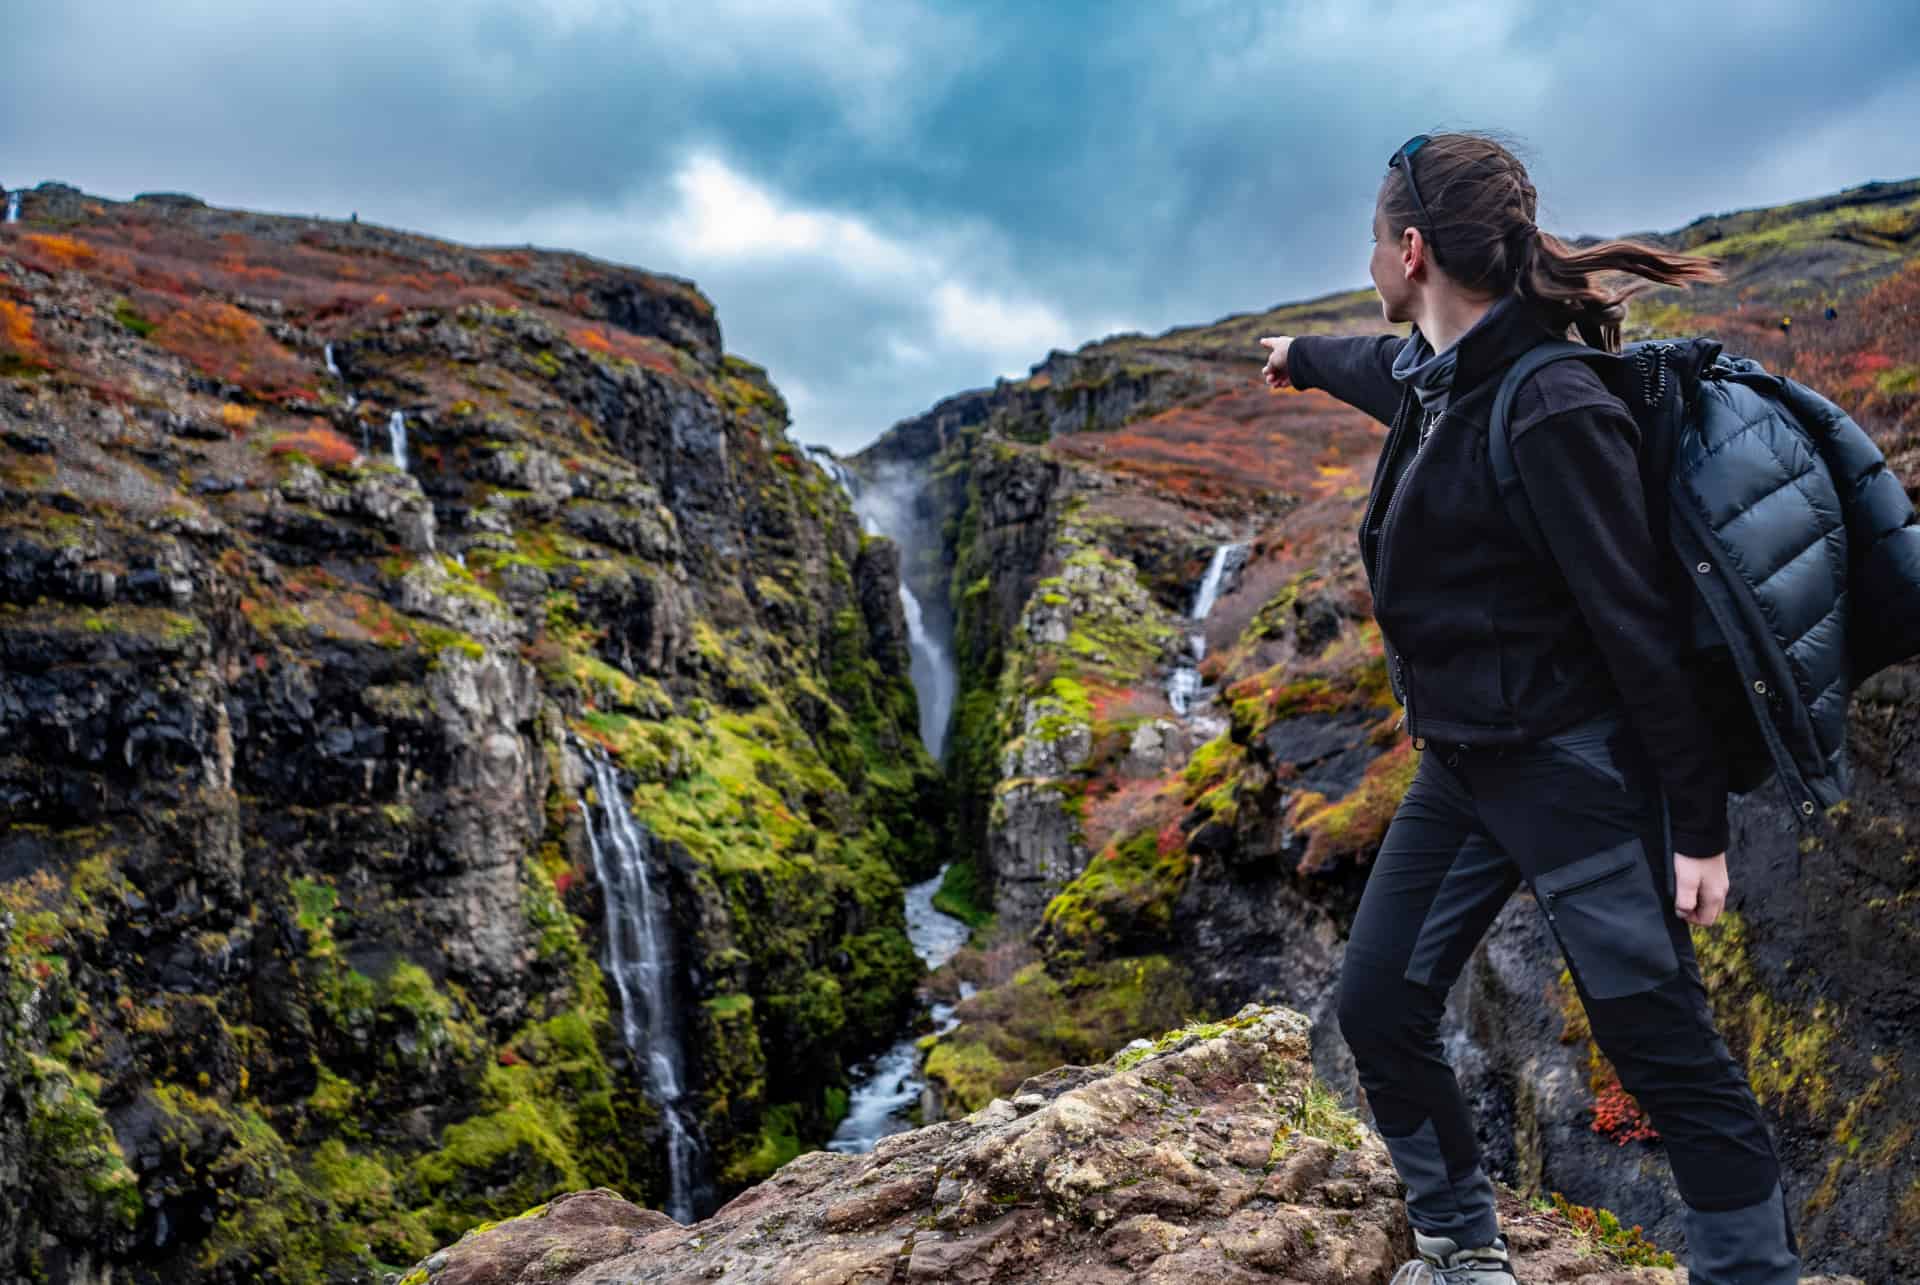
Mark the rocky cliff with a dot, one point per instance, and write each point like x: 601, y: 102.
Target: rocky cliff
x: 1145, y: 864
x: 377, y: 616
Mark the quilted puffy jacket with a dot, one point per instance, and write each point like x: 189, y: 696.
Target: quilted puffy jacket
x: 1804, y: 548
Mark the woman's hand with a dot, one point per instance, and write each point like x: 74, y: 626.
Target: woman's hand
x: 1699, y: 887
x: 1276, y: 371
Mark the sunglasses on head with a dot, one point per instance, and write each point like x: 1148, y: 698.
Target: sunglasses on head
x: 1402, y: 159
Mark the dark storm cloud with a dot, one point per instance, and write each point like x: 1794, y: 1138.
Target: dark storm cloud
x: 914, y: 196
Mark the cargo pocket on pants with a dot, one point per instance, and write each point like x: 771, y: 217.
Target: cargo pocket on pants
x: 1609, y: 921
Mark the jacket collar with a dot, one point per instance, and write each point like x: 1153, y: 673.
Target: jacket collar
x: 1493, y: 342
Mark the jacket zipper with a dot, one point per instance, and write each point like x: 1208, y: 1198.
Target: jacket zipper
x: 1386, y: 530
x: 1583, y: 885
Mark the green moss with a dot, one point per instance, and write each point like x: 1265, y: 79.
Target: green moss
x: 1785, y: 1049
x: 1276, y: 614
x: 1034, y: 1022
x: 777, y: 1142
x: 1124, y: 898
x: 961, y: 895
x: 1898, y: 380
x: 1354, y: 826
x: 130, y: 319
x: 155, y: 627
x: 1769, y: 232
x: 1191, y: 1032
x: 73, y: 1148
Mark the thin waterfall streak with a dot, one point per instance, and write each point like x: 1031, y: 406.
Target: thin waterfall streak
x: 639, y: 947
x: 397, y: 437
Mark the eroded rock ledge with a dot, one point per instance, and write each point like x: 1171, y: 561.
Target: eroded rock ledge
x: 1209, y: 1158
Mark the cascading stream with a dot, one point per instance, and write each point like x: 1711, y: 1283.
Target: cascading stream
x: 1184, y: 689
x: 333, y: 368
x: 640, y: 946
x: 397, y: 438
x: 886, y: 1089
x: 13, y: 207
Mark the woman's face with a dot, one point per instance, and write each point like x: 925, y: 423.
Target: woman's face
x: 1388, y: 270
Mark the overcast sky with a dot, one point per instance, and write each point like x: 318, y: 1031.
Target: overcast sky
x: 893, y: 200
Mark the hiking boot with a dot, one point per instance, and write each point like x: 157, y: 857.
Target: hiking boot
x: 1442, y: 1262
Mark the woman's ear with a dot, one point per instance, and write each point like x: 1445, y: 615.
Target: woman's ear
x: 1413, y: 252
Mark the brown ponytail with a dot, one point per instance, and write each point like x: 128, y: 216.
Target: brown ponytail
x: 1478, y: 222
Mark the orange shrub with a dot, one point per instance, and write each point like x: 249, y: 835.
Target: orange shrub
x: 66, y: 251
x: 654, y: 354
x: 318, y: 443
x: 16, y: 328
x: 231, y: 345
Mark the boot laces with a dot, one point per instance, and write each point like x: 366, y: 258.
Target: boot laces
x: 1463, y: 1270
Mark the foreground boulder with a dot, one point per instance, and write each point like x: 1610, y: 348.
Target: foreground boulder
x: 1210, y: 1158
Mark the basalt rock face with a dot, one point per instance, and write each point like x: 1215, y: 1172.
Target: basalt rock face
x: 1221, y: 857
x: 301, y: 938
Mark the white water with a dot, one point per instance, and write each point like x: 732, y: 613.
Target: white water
x: 886, y: 1089
x: 889, y: 1086
x: 333, y: 369
x: 933, y: 674
x: 13, y: 207
x: 397, y: 437
x: 935, y: 680
x: 1209, y: 591
x: 1184, y: 688
x: 639, y: 942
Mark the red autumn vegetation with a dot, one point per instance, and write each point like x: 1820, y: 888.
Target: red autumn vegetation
x: 640, y: 349
x: 231, y: 345
x: 319, y: 443
x: 1242, y: 443
x: 1616, y: 1115
x: 17, y: 345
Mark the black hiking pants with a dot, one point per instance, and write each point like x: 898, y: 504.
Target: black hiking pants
x: 1581, y: 818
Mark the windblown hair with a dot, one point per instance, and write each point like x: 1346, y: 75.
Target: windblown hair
x: 1479, y: 228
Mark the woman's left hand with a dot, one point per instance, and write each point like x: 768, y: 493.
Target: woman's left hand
x: 1699, y: 887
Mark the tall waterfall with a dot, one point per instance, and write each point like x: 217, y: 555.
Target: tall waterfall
x: 640, y: 943
x: 1183, y: 684
x: 397, y: 437
x: 935, y: 681
x: 13, y: 207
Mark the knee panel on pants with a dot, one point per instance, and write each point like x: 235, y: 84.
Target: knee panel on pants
x: 1380, y: 1011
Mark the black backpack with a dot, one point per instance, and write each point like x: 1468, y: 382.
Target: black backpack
x: 1801, y: 549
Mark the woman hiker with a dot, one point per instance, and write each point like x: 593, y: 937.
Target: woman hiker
x: 1563, y: 745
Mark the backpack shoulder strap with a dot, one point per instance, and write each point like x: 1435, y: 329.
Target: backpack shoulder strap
x: 1506, y: 476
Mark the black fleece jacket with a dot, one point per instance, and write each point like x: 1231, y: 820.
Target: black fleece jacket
x: 1487, y: 644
